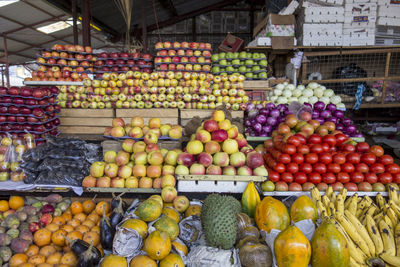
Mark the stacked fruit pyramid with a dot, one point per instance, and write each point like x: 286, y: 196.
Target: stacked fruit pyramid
x: 214, y: 150
x: 157, y: 90
x: 123, y: 62
x: 25, y: 109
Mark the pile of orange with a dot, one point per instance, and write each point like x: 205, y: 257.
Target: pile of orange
x: 13, y: 203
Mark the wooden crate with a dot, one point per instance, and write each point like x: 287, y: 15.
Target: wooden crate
x: 256, y: 85
x: 166, y: 115
x: 188, y: 114
x: 85, y: 121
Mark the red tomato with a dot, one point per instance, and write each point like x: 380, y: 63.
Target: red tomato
x: 273, y: 176
x: 340, y: 138
x: 328, y: 178
x: 279, y: 167
x: 368, y: 158
x: 302, y: 138
x: 292, y: 167
x: 268, y: 143
x: 329, y: 139
x: 303, y: 149
x: 385, y: 178
x: 392, y: 168
x: 332, y: 149
x: 287, y: 177
x: 333, y: 167
x: 353, y: 158
x: 319, y: 168
x: 385, y: 159
x: 325, y: 158
x: 298, y: 158
x: 325, y: 147
x: 377, y: 150
x: 306, y: 168
x: 352, y: 187
x: 371, y: 178
x: 377, y: 168
x: 284, y: 158
x: 343, y: 177
x: 347, y: 167
x: 362, y: 167
x: 294, y: 140
x: 357, y: 177
x: 314, y: 139
x: 300, y: 177
x: 348, y: 148
x: 339, y: 158
x: 289, y: 149
x: 317, y: 148
x: 311, y: 158
x: 314, y: 178
x: 362, y: 147
x: 396, y: 178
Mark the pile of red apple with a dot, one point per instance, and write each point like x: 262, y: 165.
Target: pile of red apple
x: 218, y: 148
x: 25, y: 109
x: 138, y: 130
x: 300, y: 161
x: 183, y: 56
x: 157, y: 90
x: 123, y: 62
x: 64, y: 63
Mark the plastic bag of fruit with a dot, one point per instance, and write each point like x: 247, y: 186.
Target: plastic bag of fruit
x: 127, y: 242
x: 212, y: 257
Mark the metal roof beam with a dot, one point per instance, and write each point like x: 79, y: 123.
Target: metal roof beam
x: 33, y: 24
x: 17, y: 54
x: 168, y: 4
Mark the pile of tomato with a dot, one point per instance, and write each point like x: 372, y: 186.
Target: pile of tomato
x: 329, y: 159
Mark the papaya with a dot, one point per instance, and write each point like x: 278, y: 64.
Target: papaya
x: 302, y: 209
x: 172, y: 260
x: 292, y: 248
x: 157, y: 245
x: 329, y: 247
x: 250, y: 199
x: 137, y: 225
x: 169, y: 226
x: 271, y: 214
x: 149, y: 210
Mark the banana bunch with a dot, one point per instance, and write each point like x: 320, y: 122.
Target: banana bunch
x: 372, y: 229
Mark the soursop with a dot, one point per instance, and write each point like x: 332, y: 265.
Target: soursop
x: 218, y: 218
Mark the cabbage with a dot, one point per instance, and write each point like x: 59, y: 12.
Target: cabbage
x: 292, y: 99
x: 278, y: 92
x: 312, y: 100
x: 318, y: 92
x: 307, y: 92
x: 323, y: 87
x: 335, y: 99
x: 287, y: 93
x: 329, y: 92
x: 301, y: 87
x: 325, y: 99
x: 303, y: 99
x: 341, y: 106
x: 296, y: 92
x: 280, y: 86
x: 273, y: 98
x: 285, y: 83
x: 282, y: 100
x: 312, y: 85
x: 290, y: 87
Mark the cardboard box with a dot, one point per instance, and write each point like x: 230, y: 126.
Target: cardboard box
x: 274, y: 19
x: 391, y: 11
x: 327, y: 34
x: 329, y: 2
x: 266, y: 41
x: 388, y: 21
x: 321, y: 14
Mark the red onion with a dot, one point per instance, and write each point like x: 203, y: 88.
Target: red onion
x: 346, y: 121
x: 325, y: 113
x: 270, y: 105
x: 252, y: 113
x: 257, y: 127
x: 247, y: 123
x: 350, y: 129
x: 357, y: 135
x: 282, y: 107
x: 259, y: 106
x: 261, y: 119
x: 320, y: 120
x: 307, y: 105
x: 271, y: 121
x: 250, y: 106
x: 274, y: 113
x: 339, y: 127
x: 253, y: 121
x: 315, y: 114
x: 331, y: 107
x: 281, y: 119
x: 264, y: 111
x: 338, y: 113
x: 267, y: 128
x: 333, y: 119
x: 319, y: 105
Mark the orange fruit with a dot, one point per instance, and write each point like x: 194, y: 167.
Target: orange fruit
x: 59, y: 220
x: 37, y: 259
x: 54, y: 258
x: 89, y: 223
x: 32, y: 251
x: 76, y: 207
x: 16, y: 202
x: 27, y: 264
x: 172, y: 260
x: 45, y: 265
x: 68, y: 228
x: 42, y: 237
x: 102, y: 205
x: 142, y: 260
x: 58, y: 238
x: 4, y: 205
x: 90, y: 237
x: 93, y: 217
x: 18, y: 259
x: 82, y: 229
x: 69, y: 259
x: 88, y: 206
x: 95, y: 229
x: 74, y: 235
x: 80, y: 216
x: 74, y: 222
x: 47, y: 250
x: 67, y: 216
x: 52, y: 227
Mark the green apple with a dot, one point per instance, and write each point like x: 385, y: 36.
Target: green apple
x: 249, y: 62
x: 249, y: 55
x: 268, y: 186
x: 249, y: 75
x: 242, y: 62
x: 230, y: 68
x: 242, y: 54
x: 248, y: 69
x: 236, y: 73
x: 256, y: 55
x: 255, y: 68
x: 236, y: 62
x: 223, y: 62
x: 222, y: 55
x: 236, y: 55
x: 229, y: 55
x: 263, y: 62
x: 215, y: 57
x: 223, y: 74
x: 215, y: 69
x: 222, y: 69
x: 242, y: 68
x: 262, y: 75
x: 262, y: 55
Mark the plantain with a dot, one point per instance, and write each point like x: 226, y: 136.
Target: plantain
x: 326, y: 201
x: 388, y: 221
x: 397, y: 239
x: 352, y: 208
x: 329, y: 192
x: 393, y: 217
x: 373, y: 232
x: 339, y: 205
x: 315, y: 194
x: 380, y: 201
x: 390, y: 259
x: 343, y: 192
x: 395, y: 207
x: 393, y: 194
x: 361, y: 230
x: 320, y: 206
x: 389, y: 246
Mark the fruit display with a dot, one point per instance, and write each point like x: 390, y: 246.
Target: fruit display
x: 322, y: 156
x: 122, y: 62
x: 157, y: 90
x: 251, y: 65
x: 285, y: 93
x: 11, y: 151
x: 217, y: 148
x: 25, y: 109
x: 64, y: 63
x: 370, y: 228
x: 137, y: 130
x: 190, y: 57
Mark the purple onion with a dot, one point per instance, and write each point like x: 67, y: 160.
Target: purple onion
x: 325, y: 113
x: 331, y: 107
x: 357, y: 135
x: 281, y: 119
x: 250, y: 106
x: 319, y: 105
x: 252, y: 113
x: 247, y: 123
x: 253, y: 121
x: 267, y: 128
x: 282, y: 107
x: 320, y: 120
x: 350, y: 129
x: 257, y: 127
x: 339, y: 127
x: 259, y: 106
x: 338, y: 113
x: 333, y: 119
x: 346, y: 121
x: 264, y: 134
x: 271, y: 121
x: 275, y: 113
x: 315, y: 114
x: 307, y: 105
x: 264, y: 111
x: 261, y: 119
x: 270, y: 105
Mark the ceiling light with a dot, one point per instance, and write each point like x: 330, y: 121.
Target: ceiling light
x: 57, y: 26
x: 7, y: 2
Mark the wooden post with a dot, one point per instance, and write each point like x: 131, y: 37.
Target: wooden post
x: 144, y: 27
x: 75, y: 25
x: 86, y: 23
x: 7, y: 62
x: 388, y: 55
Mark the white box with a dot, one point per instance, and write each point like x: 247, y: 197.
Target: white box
x: 329, y: 2
x: 323, y: 29
x: 388, y: 21
x: 321, y: 41
x: 387, y: 31
x: 391, y: 11
x: 350, y: 41
x: 361, y: 1
x: 322, y: 14
x: 359, y: 32
x: 385, y: 41
x: 361, y: 8
x: 357, y: 20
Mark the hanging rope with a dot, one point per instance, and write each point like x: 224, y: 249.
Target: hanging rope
x: 125, y: 7
x: 156, y: 19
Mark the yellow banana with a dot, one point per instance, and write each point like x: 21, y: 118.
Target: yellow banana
x: 392, y: 215
x: 373, y: 232
x: 352, y: 232
x: 380, y: 201
x: 343, y: 192
x: 378, y: 217
x: 352, y: 208
x: 329, y: 192
x: 361, y: 230
x: 347, y: 202
x: 388, y: 221
x: 371, y: 210
x: 332, y: 209
x: 315, y: 194
x: 389, y: 246
x: 326, y: 201
x: 360, y: 212
x: 393, y: 194
x: 339, y: 204
x: 324, y: 214
x: 320, y: 206
x: 390, y: 259
x: 397, y: 239
x: 395, y: 207
x: 333, y: 197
